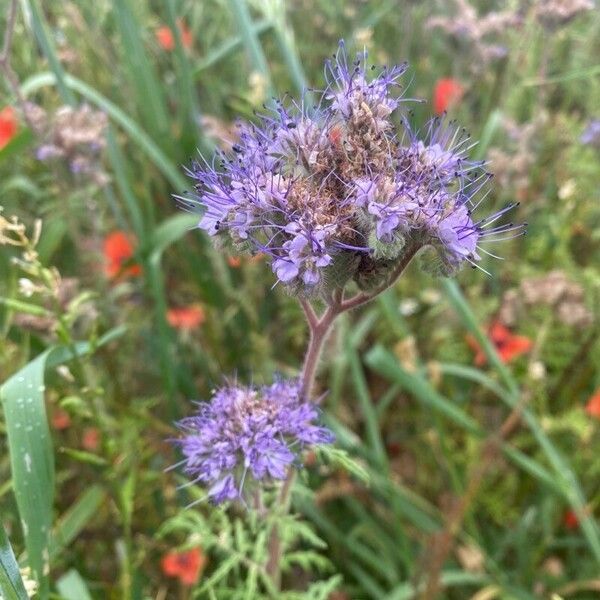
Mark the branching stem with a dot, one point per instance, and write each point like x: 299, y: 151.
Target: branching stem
x: 319, y: 328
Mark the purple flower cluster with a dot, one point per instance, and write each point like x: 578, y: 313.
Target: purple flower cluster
x: 339, y: 190
x: 247, y: 434
x: 591, y: 134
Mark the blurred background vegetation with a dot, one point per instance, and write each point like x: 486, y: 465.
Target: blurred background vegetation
x: 472, y: 405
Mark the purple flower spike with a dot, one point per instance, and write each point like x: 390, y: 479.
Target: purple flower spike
x: 247, y: 434
x: 341, y: 190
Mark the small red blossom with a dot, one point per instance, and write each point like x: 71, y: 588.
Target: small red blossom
x: 166, y: 39
x: 91, y: 439
x: 186, y: 566
x: 119, y: 250
x: 8, y: 125
x: 446, y: 93
x: 394, y: 449
x: 570, y: 520
x: 592, y: 408
x: 186, y: 318
x: 235, y: 262
x: 508, y: 345
x: 60, y: 419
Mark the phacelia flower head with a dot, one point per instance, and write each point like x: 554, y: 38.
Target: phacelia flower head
x: 343, y: 190
x: 246, y: 435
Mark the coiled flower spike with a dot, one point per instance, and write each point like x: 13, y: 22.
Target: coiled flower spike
x: 341, y: 192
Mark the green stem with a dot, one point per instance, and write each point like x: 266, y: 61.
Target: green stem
x: 319, y: 328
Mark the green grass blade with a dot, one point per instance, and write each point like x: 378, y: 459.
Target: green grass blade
x: 164, y: 235
x: 367, y: 408
x: 284, y: 34
x: 148, y: 90
x: 32, y: 461
x: 11, y: 584
x: 76, y: 518
x: 475, y: 375
x: 228, y: 48
x: 464, y: 311
x: 16, y: 145
x: 387, y: 364
x: 171, y: 230
x: 492, y: 125
x: 118, y: 163
x: 577, y: 74
x: 240, y: 11
x: 135, y: 132
x: 41, y: 34
x: 71, y: 586
x: 187, y: 97
x: 448, y: 579
x: 564, y: 475
x: 31, y: 452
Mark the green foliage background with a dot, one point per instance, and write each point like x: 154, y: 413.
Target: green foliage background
x: 411, y: 412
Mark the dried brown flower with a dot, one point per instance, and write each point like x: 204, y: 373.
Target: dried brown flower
x: 553, y: 289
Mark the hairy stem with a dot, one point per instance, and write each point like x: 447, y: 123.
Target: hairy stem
x: 319, y: 327
x: 318, y: 334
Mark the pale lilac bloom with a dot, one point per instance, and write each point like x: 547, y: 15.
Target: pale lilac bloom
x: 329, y: 190
x: 246, y: 435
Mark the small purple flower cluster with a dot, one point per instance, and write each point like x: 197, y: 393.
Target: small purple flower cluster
x: 75, y: 135
x: 591, y: 134
x: 336, y: 190
x: 248, y: 434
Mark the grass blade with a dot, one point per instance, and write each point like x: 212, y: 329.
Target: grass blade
x: 32, y: 461
x: 189, y: 105
x: 240, y: 11
x: 76, y: 518
x: 71, y: 586
x: 11, y: 583
x: 131, y: 203
x: 564, y: 475
x: 406, y: 591
x: 367, y: 408
x: 31, y: 452
x: 41, y: 34
x: 387, y: 364
x: 149, y: 92
x: 228, y: 48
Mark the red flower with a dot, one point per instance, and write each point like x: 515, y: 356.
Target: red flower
x: 446, y: 93
x: 570, y: 520
x: 186, y: 566
x: 60, y: 419
x: 592, y: 408
x: 166, y: 39
x: 234, y: 261
x: 186, y: 317
x: 91, y: 439
x: 508, y: 345
x: 118, y: 250
x: 8, y: 125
